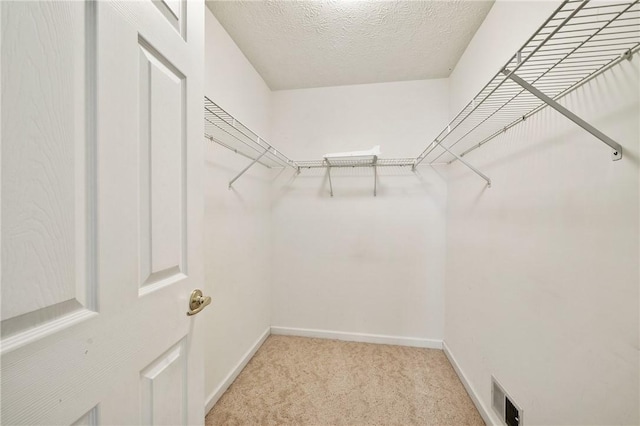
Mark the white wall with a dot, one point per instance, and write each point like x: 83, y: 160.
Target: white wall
x: 542, y: 279
x: 542, y: 270
x: 354, y: 263
x: 505, y: 29
x: 237, y: 222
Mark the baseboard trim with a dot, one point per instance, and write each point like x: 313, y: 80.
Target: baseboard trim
x: 484, y: 412
x: 359, y: 337
x: 222, y: 388
x: 351, y: 337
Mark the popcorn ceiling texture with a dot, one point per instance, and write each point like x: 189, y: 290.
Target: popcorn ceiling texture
x: 296, y: 45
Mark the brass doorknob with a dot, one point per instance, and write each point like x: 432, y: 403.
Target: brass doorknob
x: 197, y: 302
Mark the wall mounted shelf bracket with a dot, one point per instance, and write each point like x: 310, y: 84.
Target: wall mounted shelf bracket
x: 374, y: 163
x: 222, y: 128
x: 375, y: 175
x: 248, y: 167
x: 617, y: 148
x: 333, y: 161
x: 580, y: 41
x: 329, y: 176
x: 351, y: 160
x: 463, y: 161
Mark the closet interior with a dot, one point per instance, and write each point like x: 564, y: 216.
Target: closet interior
x: 483, y: 227
x: 320, y: 212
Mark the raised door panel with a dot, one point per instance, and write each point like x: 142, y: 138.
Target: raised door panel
x: 121, y: 202
x: 174, y: 12
x: 164, y: 388
x: 88, y: 419
x: 162, y: 172
x: 48, y: 178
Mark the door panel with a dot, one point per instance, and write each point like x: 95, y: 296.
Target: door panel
x: 89, y: 419
x: 46, y: 156
x: 163, y: 383
x: 162, y: 132
x: 174, y: 12
x: 101, y: 212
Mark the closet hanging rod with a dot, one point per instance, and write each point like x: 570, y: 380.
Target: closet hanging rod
x: 574, y: 45
x: 219, y: 142
x: 381, y: 162
x: 540, y: 107
x: 617, y: 149
x: 577, y: 43
x: 222, y: 128
x: 251, y: 148
x: 496, y: 82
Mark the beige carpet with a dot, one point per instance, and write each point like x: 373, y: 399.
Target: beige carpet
x: 302, y: 381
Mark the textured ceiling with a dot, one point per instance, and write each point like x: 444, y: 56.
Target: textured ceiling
x: 300, y: 44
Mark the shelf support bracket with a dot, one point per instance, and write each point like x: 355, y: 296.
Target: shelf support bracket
x: 248, y: 167
x: 329, y: 176
x: 617, y: 148
x: 375, y: 175
x: 476, y: 171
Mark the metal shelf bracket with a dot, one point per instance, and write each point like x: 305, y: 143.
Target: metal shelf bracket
x: 329, y: 176
x: 248, y: 167
x: 463, y: 161
x: 222, y: 128
x: 579, y: 41
x: 617, y: 148
x: 375, y: 175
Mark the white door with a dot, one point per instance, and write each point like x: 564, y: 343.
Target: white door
x: 101, y: 211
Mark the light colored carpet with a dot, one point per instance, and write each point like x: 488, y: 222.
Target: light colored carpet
x: 303, y: 381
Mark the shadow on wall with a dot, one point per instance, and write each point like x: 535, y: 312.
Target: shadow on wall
x: 549, y: 125
x: 550, y: 139
x: 359, y: 182
x: 218, y: 174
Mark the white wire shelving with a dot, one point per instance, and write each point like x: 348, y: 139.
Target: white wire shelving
x: 579, y: 41
x: 222, y: 128
x: 373, y: 163
x: 380, y: 162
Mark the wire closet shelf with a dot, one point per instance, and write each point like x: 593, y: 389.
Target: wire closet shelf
x: 222, y: 128
x: 380, y: 162
x: 578, y: 42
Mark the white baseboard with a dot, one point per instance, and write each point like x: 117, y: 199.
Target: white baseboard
x: 484, y: 412
x: 220, y: 390
x: 351, y: 337
x: 359, y: 337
